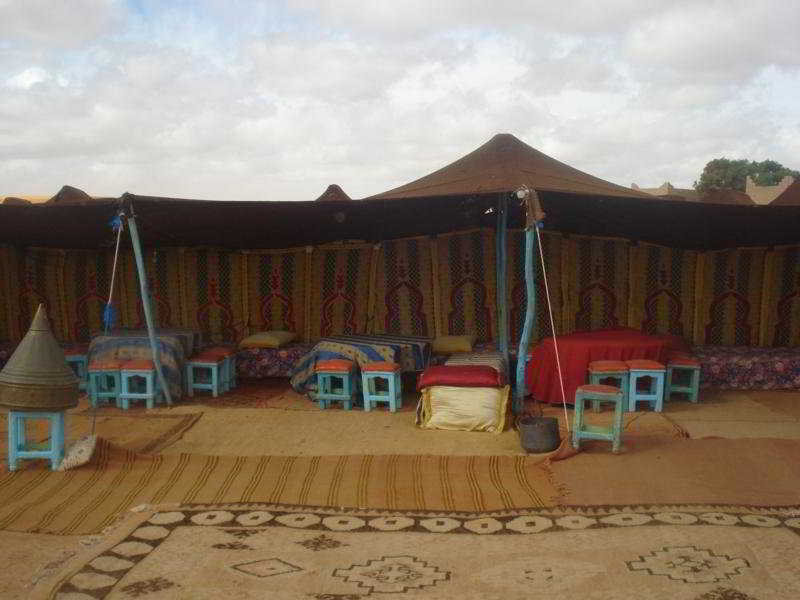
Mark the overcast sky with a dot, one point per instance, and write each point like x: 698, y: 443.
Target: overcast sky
x: 229, y: 99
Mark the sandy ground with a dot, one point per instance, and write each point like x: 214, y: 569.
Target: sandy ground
x: 293, y: 427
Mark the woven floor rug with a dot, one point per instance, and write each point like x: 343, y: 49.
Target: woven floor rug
x: 135, y: 430
x: 273, y: 551
x: 88, y: 499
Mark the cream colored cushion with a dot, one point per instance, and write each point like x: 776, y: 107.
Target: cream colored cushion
x: 268, y: 339
x: 447, y: 344
x: 463, y: 408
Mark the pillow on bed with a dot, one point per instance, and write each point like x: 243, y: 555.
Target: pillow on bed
x: 268, y: 339
x: 461, y: 376
x: 447, y: 344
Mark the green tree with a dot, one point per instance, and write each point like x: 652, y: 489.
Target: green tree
x: 726, y: 173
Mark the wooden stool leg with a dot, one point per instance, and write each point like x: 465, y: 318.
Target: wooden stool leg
x: 56, y: 440
x: 13, y: 440
x: 617, y: 426
x: 577, y: 422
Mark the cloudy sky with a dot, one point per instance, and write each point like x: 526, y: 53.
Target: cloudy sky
x: 230, y: 99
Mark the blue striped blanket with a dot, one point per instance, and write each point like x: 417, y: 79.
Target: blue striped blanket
x: 412, y: 353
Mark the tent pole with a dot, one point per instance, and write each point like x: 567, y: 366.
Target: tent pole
x: 530, y: 313
x: 534, y: 217
x: 501, y: 270
x: 148, y: 316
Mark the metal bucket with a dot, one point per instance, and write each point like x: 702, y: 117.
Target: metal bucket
x: 538, y: 434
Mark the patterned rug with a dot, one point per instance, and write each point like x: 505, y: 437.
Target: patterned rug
x: 609, y: 553
x: 90, y: 498
x: 134, y: 430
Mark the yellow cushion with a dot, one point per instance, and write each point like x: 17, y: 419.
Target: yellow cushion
x: 447, y: 344
x: 268, y: 339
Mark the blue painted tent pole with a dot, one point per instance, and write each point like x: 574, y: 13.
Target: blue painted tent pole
x: 533, y: 220
x: 501, y: 270
x: 148, y: 315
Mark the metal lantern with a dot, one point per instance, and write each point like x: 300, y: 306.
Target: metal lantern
x: 37, y: 376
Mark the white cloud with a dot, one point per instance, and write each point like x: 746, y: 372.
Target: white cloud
x: 276, y: 101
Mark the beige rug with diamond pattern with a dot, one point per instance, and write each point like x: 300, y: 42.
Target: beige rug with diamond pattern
x: 280, y: 552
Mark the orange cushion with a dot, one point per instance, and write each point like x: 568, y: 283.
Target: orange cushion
x: 384, y: 367
x: 607, y: 366
x: 644, y: 365
x: 684, y: 361
x: 336, y: 365
x: 677, y: 354
x: 207, y: 358
x: 221, y: 350
x: 106, y: 365
x: 141, y: 364
x: 599, y: 388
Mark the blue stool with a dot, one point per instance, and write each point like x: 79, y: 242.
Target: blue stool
x: 336, y: 382
x: 600, y: 371
x: 227, y: 375
x: 138, y: 378
x: 104, y: 382
x: 18, y: 445
x: 210, y: 365
x: 78, y: 360
x: 654, y: 393
x: 583, y: 431
x: 374, y: 374
x: 683, y: 367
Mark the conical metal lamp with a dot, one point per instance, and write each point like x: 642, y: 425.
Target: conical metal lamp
x: 37, y: 376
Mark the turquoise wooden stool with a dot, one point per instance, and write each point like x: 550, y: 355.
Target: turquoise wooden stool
x: 227, y: 375
x: 336, y: 382
x: 685, y: 368
x: 600, y: 371
x: 583, y: 431
x: 104, y: 382
x: 78, y: 360
x: 20, y: 448
x: 138, y: 378
x: 205, y: 372
x: 654, y: 393
x: 374, y: 376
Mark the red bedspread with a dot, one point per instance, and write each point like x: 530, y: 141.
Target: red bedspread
x: 577, y: 350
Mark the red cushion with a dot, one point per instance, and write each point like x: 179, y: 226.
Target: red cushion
x: 106, y: 365
x: 598, y: 388
x: 677, y: 354
x: 141, y: 364
x: 336, y: 365
x: 642, y: 364
x: 607, y: 366
x: 384, y: 367
x: 461, y: 376
x: 76, y: 351
x: 684, y: 361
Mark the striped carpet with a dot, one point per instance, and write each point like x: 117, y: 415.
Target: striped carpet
x: 90, y: 498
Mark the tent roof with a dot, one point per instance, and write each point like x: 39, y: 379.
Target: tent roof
x: 333, y: 194
x: 789, y: 197
x: 727, y: 196
x: 504, y: 164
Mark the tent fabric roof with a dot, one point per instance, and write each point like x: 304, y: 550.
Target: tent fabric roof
x: 789, y: 197
x: 727, y: 196
x: 504, y: 164
x: 333, y: 194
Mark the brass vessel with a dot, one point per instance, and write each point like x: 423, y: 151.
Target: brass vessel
x: 37, y: 376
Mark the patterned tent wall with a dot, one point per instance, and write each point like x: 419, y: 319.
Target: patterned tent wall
x: 339, y: 289
x: 662, y: 290
x: 276, y: 290
x: 781, y: 298
x: 729, y: 297
x: 595, y: 290
x: 9, y: 282
x: 40, y: 280
x: 404, y: 298
x: 214, y: 293
x: 465, y: 272
x: 87, y: 277
x: 165, y: 283
x: 552, y: 250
